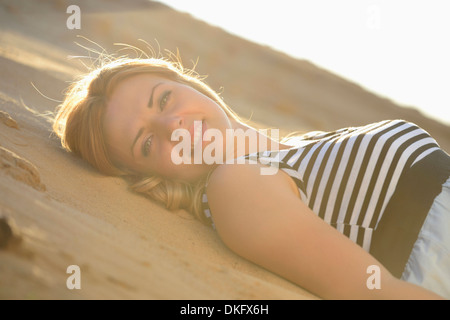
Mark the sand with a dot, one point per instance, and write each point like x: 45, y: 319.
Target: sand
x: 57, y: 211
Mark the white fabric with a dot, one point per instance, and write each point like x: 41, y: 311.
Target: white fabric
x: 429, y: 262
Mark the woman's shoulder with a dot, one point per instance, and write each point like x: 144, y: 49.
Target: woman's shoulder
x: 230, y: 174
x: 234, y: 184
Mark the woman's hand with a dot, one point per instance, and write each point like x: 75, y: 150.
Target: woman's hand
x: 261, y: 218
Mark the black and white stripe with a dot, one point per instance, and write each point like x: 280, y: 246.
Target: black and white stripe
x: 347, y: 177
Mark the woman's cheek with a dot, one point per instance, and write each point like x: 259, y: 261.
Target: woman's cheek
x: 166, y: 165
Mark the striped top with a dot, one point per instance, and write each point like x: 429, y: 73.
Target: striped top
x: 348, y: 176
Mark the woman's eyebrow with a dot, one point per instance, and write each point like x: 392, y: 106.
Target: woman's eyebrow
x: 150, y: 104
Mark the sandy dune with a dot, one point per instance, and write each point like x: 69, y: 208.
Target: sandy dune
x: 61, y: 212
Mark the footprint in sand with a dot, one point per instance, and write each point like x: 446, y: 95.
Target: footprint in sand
x: 20, y: 169
x: 6, y: 233
x: 7, y: 120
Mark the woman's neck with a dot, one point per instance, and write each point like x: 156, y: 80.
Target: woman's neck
x: 249, y: 140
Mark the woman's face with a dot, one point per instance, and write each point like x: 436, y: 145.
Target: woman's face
x: 141, y: 115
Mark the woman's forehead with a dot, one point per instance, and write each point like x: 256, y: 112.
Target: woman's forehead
x: 132, y: 83
x: 131, y: 92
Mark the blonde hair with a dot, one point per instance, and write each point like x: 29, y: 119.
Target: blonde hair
x: 78, y: 123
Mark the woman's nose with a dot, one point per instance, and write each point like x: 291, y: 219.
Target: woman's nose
x: 168, y: 123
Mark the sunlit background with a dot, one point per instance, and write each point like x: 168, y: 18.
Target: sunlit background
x: 399, y: 49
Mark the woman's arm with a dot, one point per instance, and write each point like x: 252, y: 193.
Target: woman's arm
x: 261, y: 218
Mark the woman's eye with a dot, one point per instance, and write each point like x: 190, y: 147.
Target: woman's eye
x: 146, y: 147
x: 164, y: 99
x: 148, y: 142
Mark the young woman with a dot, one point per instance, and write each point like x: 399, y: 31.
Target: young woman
x: 347, y: 214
